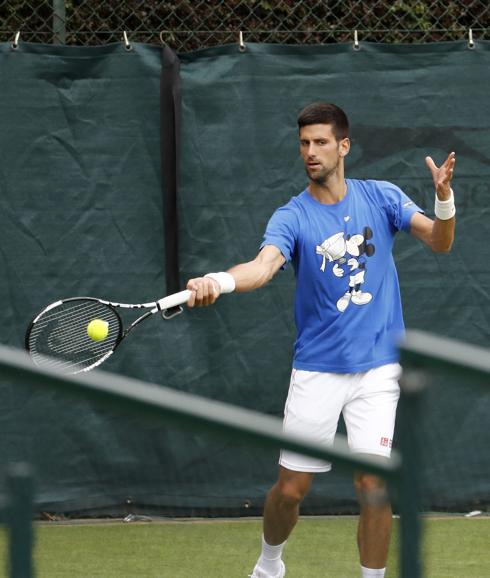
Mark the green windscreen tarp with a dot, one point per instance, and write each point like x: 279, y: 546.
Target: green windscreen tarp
x: 81, y: 213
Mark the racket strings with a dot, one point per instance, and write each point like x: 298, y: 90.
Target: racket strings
x: 61, y: 334
x: 72, y: 367
x: 66, y: 335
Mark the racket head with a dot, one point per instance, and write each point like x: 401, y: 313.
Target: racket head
x: 57, y: 337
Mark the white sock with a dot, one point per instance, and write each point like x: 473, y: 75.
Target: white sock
x: 372, y: 572
x: 270, y: 558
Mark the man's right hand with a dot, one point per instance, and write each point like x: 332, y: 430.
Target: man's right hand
x: 205, y: 291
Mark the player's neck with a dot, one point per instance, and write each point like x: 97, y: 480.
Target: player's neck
x: 332, y: 191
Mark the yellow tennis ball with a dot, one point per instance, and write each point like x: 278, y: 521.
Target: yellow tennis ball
x: 98, y: 329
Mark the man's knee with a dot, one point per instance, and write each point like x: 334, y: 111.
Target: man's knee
x: 291, y: 489
x: 370, y: 489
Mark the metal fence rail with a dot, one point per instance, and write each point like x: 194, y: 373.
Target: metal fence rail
x: 191, y: 24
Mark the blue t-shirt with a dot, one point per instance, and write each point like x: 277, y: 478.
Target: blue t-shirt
x: 347, y: 306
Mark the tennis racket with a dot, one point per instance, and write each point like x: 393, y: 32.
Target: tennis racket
x: 57, y: 337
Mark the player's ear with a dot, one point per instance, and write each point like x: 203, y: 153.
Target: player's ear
x: 344, y: 147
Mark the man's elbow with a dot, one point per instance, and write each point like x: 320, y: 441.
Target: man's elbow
x: 441, y: 246
x: 267, y: 274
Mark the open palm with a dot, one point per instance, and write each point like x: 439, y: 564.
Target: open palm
x: 442, y: 175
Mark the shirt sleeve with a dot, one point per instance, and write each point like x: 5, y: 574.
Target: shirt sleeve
x: 399, y: 206
x: 282, y: 232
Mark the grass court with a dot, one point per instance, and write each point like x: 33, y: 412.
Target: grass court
x: 321, y: 547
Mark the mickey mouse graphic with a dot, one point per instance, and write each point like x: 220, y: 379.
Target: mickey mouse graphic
x: 349, y: 256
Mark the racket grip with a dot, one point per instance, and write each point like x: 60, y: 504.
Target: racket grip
x: 174, y: 300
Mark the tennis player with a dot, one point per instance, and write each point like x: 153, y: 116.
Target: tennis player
x: 338, y: 233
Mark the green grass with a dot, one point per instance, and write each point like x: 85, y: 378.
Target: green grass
x: 319, y: 547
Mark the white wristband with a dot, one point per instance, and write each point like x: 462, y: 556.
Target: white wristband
x: 445, y: 210
x: 225, y: 281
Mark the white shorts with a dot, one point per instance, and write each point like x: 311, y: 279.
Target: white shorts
x: 367, y: 401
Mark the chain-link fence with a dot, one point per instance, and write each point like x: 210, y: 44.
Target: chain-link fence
x: 191, y: 24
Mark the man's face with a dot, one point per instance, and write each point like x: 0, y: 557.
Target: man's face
x: 320, y: 151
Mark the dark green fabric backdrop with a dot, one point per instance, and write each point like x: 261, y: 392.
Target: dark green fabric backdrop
x: 81, y: 213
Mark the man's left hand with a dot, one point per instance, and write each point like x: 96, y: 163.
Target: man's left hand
x: 442, y: 175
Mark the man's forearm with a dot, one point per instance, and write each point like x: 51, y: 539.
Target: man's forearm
x: 250, y: 276
x: 240, y: 278
x: 443, y: 229
x: 443, y: 235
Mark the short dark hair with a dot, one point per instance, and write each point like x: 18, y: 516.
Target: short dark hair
x: 325, y: 113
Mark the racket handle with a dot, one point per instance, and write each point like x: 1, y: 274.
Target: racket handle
x: 174, y: 300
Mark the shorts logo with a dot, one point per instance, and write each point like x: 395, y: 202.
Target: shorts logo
x: 386, y: 442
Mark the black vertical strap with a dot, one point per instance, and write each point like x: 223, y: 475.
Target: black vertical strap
x: 170, y: 105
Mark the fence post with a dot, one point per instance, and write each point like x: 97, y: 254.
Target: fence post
x: 412, y: 387
x: 20, y: 497
x: 59, y: 22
